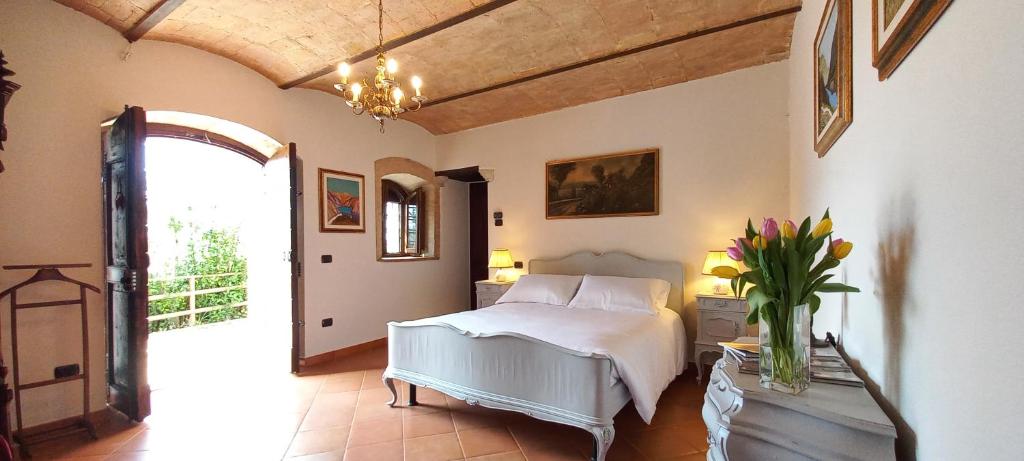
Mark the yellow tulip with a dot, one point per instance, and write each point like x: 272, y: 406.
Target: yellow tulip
x: 725, y: 272
x: 760, y: 243
x: 789, y: 229
x: 823, y: 228
x: 841, y: 249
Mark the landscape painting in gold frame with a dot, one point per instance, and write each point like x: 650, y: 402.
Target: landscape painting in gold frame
x: 896, y: 28
x: 833, y: 81
x: 619, y: 184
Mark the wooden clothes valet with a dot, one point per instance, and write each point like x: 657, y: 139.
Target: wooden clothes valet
x: 50, y: 273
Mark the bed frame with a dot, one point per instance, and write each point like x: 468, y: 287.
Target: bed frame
x: 480, y: 369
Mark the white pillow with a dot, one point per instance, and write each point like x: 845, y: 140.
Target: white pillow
x: 622, y: 294
x: 542, y: 288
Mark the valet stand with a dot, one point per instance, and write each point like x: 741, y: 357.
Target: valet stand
x: 45, y: 273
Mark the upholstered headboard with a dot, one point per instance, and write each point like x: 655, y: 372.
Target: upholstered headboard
x: 617, y: 264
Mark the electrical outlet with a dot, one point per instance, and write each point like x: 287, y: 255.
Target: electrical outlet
x: 517, y: 265
x: 326, y: 258
x: 65, y: 371
x: 329, y: 321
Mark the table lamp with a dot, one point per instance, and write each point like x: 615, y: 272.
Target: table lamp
x: 715, y: 259
x: 501, y: 258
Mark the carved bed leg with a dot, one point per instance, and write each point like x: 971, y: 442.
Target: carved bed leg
x: 603, y: 437
x: 390, y: 383
x: 412, y: 395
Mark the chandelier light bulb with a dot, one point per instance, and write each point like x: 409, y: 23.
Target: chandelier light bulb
x: 356, y: 89
x: 392, y: 66
x: 398, y: 95
x: 344, y: 69
x: 417, y: 83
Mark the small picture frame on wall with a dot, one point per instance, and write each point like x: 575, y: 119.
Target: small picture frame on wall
x: 896, y: 28
x: 341, y: 201
x: 620, y: 184
x: 833, y: 80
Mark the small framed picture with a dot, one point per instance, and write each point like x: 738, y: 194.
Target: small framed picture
x: 341, y: 201
x: 833, y: 80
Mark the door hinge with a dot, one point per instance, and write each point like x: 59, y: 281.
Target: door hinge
x: 302, y: 323
x: 131, y: 280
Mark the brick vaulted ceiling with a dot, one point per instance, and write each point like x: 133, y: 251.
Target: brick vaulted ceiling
x: 482, y: 61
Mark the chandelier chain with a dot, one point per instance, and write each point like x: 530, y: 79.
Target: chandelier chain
x: 380, y: 26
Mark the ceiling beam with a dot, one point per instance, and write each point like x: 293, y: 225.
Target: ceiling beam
x: 616, y: 55
x: 392, y: 44
x: 159, y: 12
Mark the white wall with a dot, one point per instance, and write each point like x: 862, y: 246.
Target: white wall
x: 927, y: 183
x: 72, y: 78
x: 723, y: 159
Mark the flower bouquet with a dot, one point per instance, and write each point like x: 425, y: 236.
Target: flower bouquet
x: 785, y: 281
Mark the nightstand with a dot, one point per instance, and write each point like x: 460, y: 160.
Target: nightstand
x: 488, y: 292
x: 719, y: 318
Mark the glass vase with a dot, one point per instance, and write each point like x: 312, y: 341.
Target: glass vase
x: 785, y: 359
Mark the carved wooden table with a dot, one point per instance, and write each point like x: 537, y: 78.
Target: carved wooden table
x: 824, y: 422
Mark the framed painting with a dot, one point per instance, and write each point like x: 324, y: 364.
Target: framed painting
x: 341, y: 201
x: 833, y: 80
x: 896, y: 28
x: 620, y: 184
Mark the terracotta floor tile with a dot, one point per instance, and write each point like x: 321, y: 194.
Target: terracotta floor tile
x: 319, y: 441
x: 469, y: 419
x: 510, y: 456
x: 553, y: 453
x: 381, y: 396
x: 387, y: 451
x: 373, y: 379
x: 442, y: 447
x: 321, y: 418
x: 661, y: 443
x: 375, y: 431
x: 622, y: 450
x: 428, y: 424
x: 423, y: 408
x: 377, y: 411
x: 487, y: 441
x: 337, y: 455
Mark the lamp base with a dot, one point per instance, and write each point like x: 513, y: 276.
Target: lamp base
x: 721, y: 289
x: 500, y: 276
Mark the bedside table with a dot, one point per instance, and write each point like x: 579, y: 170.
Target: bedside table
x: 719, y: 318
x: 488, y: 292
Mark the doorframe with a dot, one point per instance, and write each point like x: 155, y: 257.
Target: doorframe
x: 185, y: 132
x: 478, y: 227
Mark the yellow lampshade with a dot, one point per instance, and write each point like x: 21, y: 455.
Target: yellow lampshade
x: 715, y: 259
x: 501, y: 258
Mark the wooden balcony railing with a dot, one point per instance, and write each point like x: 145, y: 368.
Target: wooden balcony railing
x: 191, y: 294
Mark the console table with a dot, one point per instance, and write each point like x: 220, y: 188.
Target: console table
x: 824, y: 422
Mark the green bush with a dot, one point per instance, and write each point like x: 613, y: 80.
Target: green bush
x: 208, y: 254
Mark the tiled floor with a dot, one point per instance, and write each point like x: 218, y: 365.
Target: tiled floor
x: 337, y: 411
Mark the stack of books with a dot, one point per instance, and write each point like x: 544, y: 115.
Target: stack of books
x: 827, y: 366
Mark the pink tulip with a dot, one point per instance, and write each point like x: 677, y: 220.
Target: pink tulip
x: 734, y: 253
x: 836, y: 243
x: 769, y: 229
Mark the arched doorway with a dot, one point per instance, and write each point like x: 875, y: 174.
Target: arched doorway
x: 221, y: 278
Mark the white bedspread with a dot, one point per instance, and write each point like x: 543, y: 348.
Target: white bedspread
x: 647, y: 351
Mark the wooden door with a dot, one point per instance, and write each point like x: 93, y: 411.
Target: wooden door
x: 478, y: 253
x: 127, y: 260
x: 283, y: 208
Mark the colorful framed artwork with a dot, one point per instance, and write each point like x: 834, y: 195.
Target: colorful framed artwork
x: 341, y: 201
x: 896, y: 28
x: 620, y: 184
x: 833, y: 78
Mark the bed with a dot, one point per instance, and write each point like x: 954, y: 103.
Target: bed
x: 560, y: 380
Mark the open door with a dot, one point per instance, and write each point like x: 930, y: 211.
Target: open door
x: 282, y: 260
x: 127, y: 259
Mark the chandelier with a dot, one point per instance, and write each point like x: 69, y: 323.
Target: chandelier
x: 383, y: 99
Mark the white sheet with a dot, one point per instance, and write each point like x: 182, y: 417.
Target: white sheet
x: 647, y: 351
